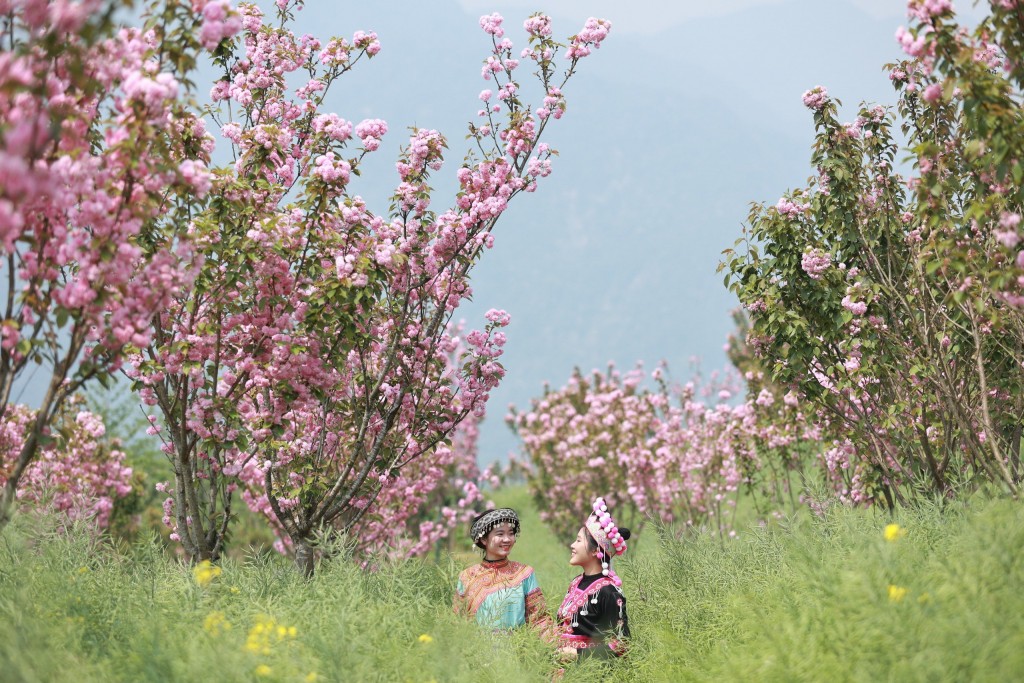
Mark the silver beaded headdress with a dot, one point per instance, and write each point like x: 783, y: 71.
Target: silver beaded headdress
x: 487, y: 521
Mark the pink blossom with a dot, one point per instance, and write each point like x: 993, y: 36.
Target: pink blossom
x: 81, y: 474
x: 816, y: 97
x: 932, y: 93
x: 334, y: 126
x: 331, y: 170
x: 491, y: 24
x: 592, y: 34
x: 363, y: 40
x: 786, y: 207
x: 335, y: 52
x: 220, y: 21
x: 370, y: 131
x: 1007, y: 238
x: 856, y: 307
x: 924, y: 10
x: 911, y: 44
x: 499, y: 317
x: 815, y: 262
x: 538, y: 25
x: 852, y: 363
x: 196, y: 176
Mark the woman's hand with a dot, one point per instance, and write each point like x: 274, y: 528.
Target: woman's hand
x: 567, y: 654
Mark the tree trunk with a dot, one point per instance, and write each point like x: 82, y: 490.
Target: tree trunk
x: 7, y: 497
x: 305, y: 560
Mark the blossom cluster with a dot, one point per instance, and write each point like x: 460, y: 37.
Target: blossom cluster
x: 220, y: 21
x: 914, y: 44
x: 81, y: 474
x: 924, y: 10
x: 816, y: 97
x: 593, y: 34
x: 815, y: 262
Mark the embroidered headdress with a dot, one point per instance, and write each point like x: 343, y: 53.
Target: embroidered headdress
x: 606, y: 532
x: 492, y: 518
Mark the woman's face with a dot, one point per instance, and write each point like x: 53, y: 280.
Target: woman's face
x: 580, y: 554
x: 499, y: 541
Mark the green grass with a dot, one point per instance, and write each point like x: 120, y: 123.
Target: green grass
x: 804, y: 600
x: 809, y: 600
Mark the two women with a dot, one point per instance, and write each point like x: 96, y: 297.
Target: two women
x: 502, y: 594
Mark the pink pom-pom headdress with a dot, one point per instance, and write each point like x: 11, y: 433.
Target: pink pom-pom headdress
x: 606, y: 532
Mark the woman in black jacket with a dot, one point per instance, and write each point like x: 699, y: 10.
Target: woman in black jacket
x: 592, y: 618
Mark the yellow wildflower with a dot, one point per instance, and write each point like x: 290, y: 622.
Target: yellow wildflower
x: 234, y: 589
x: 894, y: 532
x: 262, y: 670
x: 215, y: 623
x: 83, y: 570
x: 896, y: 593
x: 265, y: 633
x: 312, y: 677
x: 426, y: 638
x: 205, y: 572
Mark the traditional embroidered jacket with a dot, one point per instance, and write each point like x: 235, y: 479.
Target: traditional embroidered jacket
x: 501, y: 595
x: 593, y: 617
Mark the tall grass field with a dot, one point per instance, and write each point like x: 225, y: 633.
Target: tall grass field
x: 933, y: 594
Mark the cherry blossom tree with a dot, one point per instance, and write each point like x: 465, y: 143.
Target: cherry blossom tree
x: 313, y: 361
x: 891, y: 305
x: 94, y: 148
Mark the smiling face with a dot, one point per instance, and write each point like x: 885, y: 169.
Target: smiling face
x: 580, y: 554
x: 499, y: 541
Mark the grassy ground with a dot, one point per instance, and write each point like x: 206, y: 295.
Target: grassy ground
x: 806, y: 600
